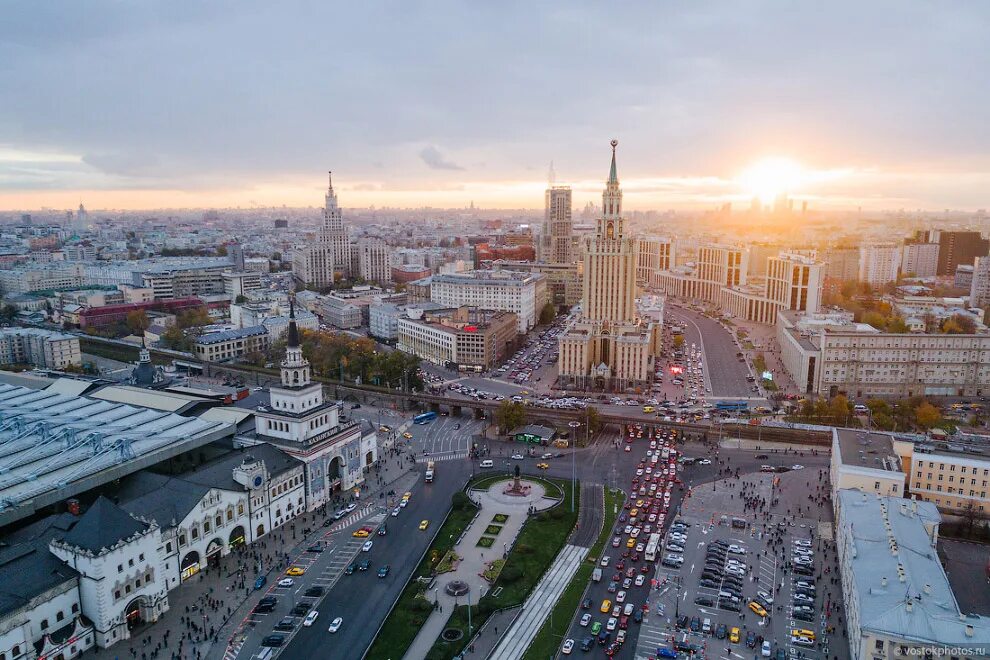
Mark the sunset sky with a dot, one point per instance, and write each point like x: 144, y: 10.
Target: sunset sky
x: 244, y: 103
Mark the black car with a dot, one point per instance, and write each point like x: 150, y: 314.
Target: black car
x: 314, y: 592
x: 728, y: 605
x: 316, y: 547
x: 803, y: 616
x: 751, y: 639
x: 806, y: 592
x: 708, y: 584
x: 761, y: 456
x: 638, y: 616
x: 273, y: 640
x: 803, y: 570
x: 587, y: 643
x: 704, y: 601
x: 721, y: 631
x: 302, y: 609
x: 383, y: 530
x: 350, y: 569
x: 586, y: 604
x: 286, y: 624
x: 695, y: 621
x: 328, y: 522
x: 266, y: 604
x: 682, y: 621
x: 364, y: 565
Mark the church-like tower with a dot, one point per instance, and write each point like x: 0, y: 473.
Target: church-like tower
x: 297, y: 392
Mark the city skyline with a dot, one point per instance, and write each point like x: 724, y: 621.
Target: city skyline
x: 867, y: 107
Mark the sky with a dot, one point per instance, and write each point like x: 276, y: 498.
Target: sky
x: 132, y: 105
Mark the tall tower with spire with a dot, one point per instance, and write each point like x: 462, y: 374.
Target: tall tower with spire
x: 609, y: 347
x: 330, y: 256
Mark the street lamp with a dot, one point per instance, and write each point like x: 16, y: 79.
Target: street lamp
x: 574, y: 425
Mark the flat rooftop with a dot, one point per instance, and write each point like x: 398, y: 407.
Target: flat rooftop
x: 900, y: 586
x: 54, y: 446
x: 867, y: 450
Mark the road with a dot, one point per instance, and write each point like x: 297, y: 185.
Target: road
x: 726, y: 374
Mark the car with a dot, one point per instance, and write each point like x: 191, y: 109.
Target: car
x: 721, y: 631
x: 266, y: 604
x: 804, y: 543
x: 286, y: 624
x: 758, y: 609
x: 606, y: 606
x: 704, y: 601
x: 673, y: 547
x: 362, y: 533
x: 621, y: 596
x: 612, y: 624
x: 737, y: 549
x: 286, y: 582
x: 616, y: 541
x: 314, y: 592
x: 383, y: 530
x: 802, y: 598
x: 543, y: 466
x: 801, y: 641
x: 518, y: 457
x: 407, y: 435
x: 587, y: 643
x: 780, y: 654
x: 616, y: 610
x: 708, y: 583
x: 335, y: 625
x: 567, y: 647
x: 797, y: 467
x: 640, y: 580
x: 734, y: 635
x: 765, y: 649
x: 395, y: 511
x: 296, y: 571
x: 316, y: 547
x: 310, y: 618
x: 383, y: 571
x: 808, y: 617
x: 803, y: 632
x: 596, y: 628
x: 705, y: 461
x: 367, y: 546
x: 605, y: 561
x: 585, y: 619
x: 612, y: 587
x: 695, y: 624
x: 751, y: 639
x: 273, y: 640
x: 350, y: 569
x: 423, y: 524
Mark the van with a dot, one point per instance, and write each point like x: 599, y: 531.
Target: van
x: 596, y: 575
x: 739, y: 523
x: 706, y: 627
x: 487, y: 463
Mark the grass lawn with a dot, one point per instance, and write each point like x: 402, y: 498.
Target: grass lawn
x: 410, y: 611
x: 493, y: 530
x: 547, y: 640
x: 538, y: 543
x: 500, y: 518
x: 485, y: 541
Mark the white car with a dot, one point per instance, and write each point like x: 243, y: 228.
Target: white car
x: 518, y: 457
x: 804, y: 543
x: 350, y: 507
x: 705, y: 461
x: 367, y: 546
x: 612, y: 623
x: 797, y: 467
x: 286, y: 582
x: 765, y: 597
x: 605, y: 560
x: 567, y: 647
x: 395, y: 511
x: 640, y: 580
x: 403, y: 503
x: 585, y: 620
x: 765, y: 649
x: 620, y: 597
x: 310, y: 618
x: 335, y: 625
x: 737, y: 549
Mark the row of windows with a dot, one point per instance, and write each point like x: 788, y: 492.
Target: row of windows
x: 59, y: 616
x: 952, y: 468
x: 286, y: 485
x: 962, y: 480
x: 950, y: 490
x: 117, y: 595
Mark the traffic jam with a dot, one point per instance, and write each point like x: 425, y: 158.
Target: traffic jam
x: 618, y: 594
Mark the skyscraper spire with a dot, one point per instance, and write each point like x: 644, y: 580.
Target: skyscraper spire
x: 293, y: 341
x: 612, y: 176
x: 330, y: 179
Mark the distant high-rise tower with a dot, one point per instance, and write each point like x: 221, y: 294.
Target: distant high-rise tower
x: 236, y: 253
x: 557, y: 239
x: 319, y: 264
x: 82, y: 218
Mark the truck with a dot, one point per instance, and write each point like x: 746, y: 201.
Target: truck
x: 430, y: 471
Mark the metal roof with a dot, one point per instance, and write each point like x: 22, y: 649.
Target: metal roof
x: 54, y: 446
x: 139, y: 396
x: 228, y: 335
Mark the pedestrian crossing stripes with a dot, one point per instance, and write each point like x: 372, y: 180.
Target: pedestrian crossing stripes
x: 351, y: 519
x: 446, y: 456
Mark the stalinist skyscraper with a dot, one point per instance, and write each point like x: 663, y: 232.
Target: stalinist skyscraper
x: 317, y: 264
x: 608, y: 346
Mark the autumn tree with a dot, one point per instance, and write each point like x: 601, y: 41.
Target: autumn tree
x: 547, y: 314
x: 926, y: 415
x: 137, y: 321
x: 959, y: 324
x: 509, y: 415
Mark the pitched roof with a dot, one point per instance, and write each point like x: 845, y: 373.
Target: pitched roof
x: 27, y: 567
x: 102, y: 526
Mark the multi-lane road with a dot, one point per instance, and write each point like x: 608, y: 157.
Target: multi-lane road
x: 726, y: 374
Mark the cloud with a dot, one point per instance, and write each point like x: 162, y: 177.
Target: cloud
x: 435, y: 160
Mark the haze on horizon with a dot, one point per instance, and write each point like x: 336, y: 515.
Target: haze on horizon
x: 248, y: 103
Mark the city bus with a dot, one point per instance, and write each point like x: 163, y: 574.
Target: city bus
x: 652, y: 547
x: 732, y: 405
x: 425, y: 418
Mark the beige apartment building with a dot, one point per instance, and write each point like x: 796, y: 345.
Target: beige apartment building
x: 466, y: 338
x: 653, y: 254
x: 829, y: 354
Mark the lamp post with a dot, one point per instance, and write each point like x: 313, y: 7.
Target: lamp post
x: 574, y: 425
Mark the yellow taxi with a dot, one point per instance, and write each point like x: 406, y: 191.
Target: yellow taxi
x: 406, y: 495
x: 606, y: 606
x: 361, y: 533
x: 543, y: 466
x: 633, y: 512
x: 424, y: 524
x: 524, y: 392
x: 734, y: 635
x: 801, y: 632
x: 384, y: 429
x: 648, y: 409
x: 757, y: 608
x: 296, y: 571
x: 639, y: 502
x: 407, y: 435
x: 631, y: 542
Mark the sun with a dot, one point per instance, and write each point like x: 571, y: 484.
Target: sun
x: 770, y: 177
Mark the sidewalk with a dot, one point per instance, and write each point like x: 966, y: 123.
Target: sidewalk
x: 203, y: 611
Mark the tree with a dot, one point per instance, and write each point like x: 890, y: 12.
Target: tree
x: 840, y: 409
x: 547, y: 314
x: 875, y: 319
x: 896, y: 324
x: 221, y: 250
x: 510, y: 415
x: 926, y: 415
x: 240, y: 299
x: 176, y: 339
x: 959, y: 324
x: 137, y: 321
x: 678, y: 342
x: 193, y: 318
x: 8, y: 312
x: 593, y: 418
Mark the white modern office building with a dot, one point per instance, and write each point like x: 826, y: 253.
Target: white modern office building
x: 523, y: 294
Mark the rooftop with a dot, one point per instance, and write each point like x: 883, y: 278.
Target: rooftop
x: 900, y: 584
x: 864, y: 449
x: 54, y: 445
x: 230, y: 335
x: 27, y: 567
x: 502, y: 277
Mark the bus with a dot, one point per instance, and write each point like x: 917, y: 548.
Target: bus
x: 732, y: 406
x: 431, y: 470
x: 425, y: 418
x: 652, y: 547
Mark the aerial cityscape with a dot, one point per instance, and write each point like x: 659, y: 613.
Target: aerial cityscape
x: 494, y: 331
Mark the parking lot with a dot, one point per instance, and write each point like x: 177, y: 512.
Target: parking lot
x: 754, y: 570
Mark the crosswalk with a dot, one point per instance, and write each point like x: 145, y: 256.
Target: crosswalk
x: 443, y: 456
x: 349, y: 520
